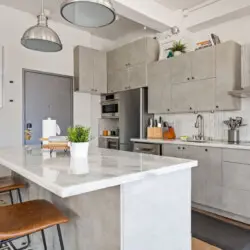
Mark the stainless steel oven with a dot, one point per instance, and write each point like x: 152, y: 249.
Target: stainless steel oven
x: 110, y: 106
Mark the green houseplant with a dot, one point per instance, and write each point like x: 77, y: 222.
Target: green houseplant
x: 79, y: 137
x: 178, y: 48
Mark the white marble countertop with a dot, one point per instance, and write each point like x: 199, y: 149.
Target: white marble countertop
x: 65, y: 176
x: 215, y: 144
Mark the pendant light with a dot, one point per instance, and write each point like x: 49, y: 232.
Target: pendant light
x: 40, y: 37
x: 88, y: 13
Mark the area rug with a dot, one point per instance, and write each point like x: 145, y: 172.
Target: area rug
x: 219, y: 234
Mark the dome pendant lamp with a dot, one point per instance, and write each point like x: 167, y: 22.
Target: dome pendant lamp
x: 88, y: 13
x: 40, y: 37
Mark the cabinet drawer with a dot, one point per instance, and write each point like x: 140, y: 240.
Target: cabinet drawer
x: 172, y: 150
x: 238, y: 156
x: 236, y: 175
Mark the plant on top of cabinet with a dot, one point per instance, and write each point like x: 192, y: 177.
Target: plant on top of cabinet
x: 178, y: 48
x: 90, y: 70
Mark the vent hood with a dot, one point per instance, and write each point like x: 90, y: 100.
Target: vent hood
x: 242, y: 93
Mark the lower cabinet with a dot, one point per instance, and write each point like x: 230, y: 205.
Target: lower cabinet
x: 207, y: 177
x: 221, y: 180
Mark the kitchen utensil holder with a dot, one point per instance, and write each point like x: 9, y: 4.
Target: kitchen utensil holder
x: 154, y: 133
x: 234, y: 136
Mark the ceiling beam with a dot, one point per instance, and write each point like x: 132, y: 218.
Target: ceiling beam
x: 203, y: 17
x: 147, y: 12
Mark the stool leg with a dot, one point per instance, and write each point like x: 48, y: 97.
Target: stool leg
x: 60, y: 236
x: 44, y: 240
x: 11, y: 197
x: 19, y: 195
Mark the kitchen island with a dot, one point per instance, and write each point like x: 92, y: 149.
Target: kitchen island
x: 115, y: 200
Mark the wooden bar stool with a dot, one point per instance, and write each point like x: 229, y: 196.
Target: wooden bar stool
x: 26, y: 218
x: 9, y: 184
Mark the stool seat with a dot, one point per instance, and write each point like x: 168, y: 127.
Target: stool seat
x: 9, y: 183
x: 29, y: 217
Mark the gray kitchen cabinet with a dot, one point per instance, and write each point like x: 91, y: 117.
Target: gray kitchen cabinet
x: 137, y: 76
x: 144, y: 50
x: 182, y: 98
x: 159, y: 87
x: 207, y: 177
x: 201, y: 80
x: 83, y: 68
x: 228, y: 75
x: 193, y: 96
x: 134, y: 58
x: 137, y: 52
x: 100, y: 72
x: 102, y: 142
x: 117, y: 59
x: 196, y: 65
x: 90, y: 70
x: 203, y: 64
x: 117, y: 81
x: 172, y: 150
x: 181, y: 68
x: 236, y: 187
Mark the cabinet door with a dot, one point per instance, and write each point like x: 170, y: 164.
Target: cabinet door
x: 117, y: 81
x: 136, y: 52
x: 202, y: 94
x: 228, y: 75
x: 182, y: 98
x: 100, y: 72
x: 181, y: 68
x: 172, y: 150
x: 159, y: 87
x: 137, y: 77
x: 86, y: 69
x: 203, y: 63
x: 198, y: 173
x: 117, y: 59
x: 193, y: 96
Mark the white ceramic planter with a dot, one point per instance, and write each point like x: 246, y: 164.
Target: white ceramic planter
x: 177, y: 53
x: 79, y: 150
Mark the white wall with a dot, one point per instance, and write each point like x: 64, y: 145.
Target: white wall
x: 237, y: 30
x: 13, y: 23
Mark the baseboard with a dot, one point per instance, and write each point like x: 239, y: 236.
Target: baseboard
x: 230, y: 218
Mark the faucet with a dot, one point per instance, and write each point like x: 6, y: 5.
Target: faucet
x: 200, y: 125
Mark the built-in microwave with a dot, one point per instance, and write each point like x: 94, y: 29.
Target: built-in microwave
x: 110, y: 106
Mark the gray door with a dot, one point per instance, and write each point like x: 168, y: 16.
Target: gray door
x: 47, y: 95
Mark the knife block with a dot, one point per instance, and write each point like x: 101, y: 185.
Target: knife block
x: 154, y: 133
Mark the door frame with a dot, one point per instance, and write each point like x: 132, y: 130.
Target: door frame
x: 24, y: 70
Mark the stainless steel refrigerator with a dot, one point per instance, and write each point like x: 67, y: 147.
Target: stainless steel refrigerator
x: 133, y: 116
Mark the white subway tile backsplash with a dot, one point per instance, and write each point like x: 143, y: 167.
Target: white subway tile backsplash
x: 214, y: 127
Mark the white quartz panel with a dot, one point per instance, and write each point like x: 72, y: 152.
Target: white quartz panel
x: 156, y: 213
x: 214, y: 144
x: 66, y: 176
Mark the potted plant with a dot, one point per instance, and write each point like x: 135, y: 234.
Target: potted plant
x: 79, y: 138
x: 178, y: 48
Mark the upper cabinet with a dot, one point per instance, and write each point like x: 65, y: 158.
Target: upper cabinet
x: 197, y: 81
x: 159, y: 78
x: 90, y: 70
x: 131, y: 59
x: 228, y: 75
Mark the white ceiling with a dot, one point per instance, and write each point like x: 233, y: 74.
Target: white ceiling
x: 180, y: 4
x: 113, y: 32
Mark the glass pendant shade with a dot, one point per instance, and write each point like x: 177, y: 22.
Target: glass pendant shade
x: 41, y: 38
x: 88, y: 13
